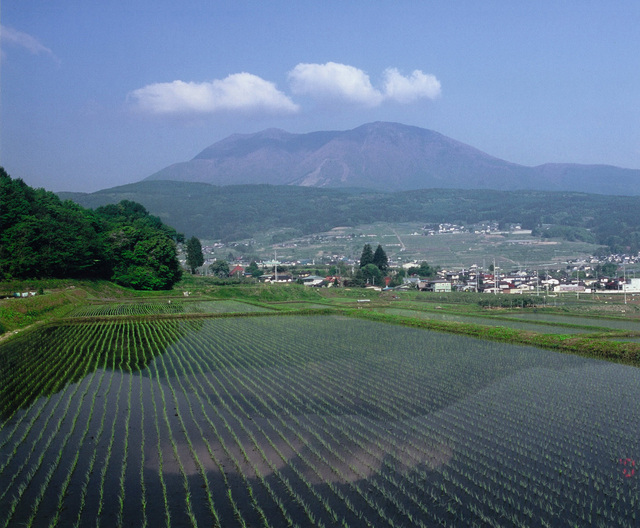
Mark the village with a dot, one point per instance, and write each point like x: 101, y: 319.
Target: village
x: 612, y: 273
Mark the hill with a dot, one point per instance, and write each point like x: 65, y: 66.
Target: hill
x: 384, y: 156
x: 237, y: 212
x: 44, y: 237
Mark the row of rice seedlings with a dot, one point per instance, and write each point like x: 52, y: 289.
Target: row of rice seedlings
x: 557, y: 469
x: 143, y: 488
x: 163, y: 484
x: 394, y: 447
x: 458, y: 419
x: 383, y: 403
x: 187, y: 492
x: 41, y: 372
x: 561, y: 451
x: 194, y: 455
x: 325, y: 501
x: 106, y: 461
x: 291, y: 491
x: 35, y: 374
x: 26, y: 433
x: 236, y: 463
x: 33, y: 471
x: 107, y: 336
x: 239, y: 444
x: 128, y: 309
x: 290, y: 390
x: 18, y: 442
x: 362, y: 441
x: 61, y: 450
x: 295, y: 431
x: 125, y: 450
x: 74, y: 462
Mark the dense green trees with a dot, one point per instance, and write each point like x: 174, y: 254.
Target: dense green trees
x: 254, y: 269
x: 220, y: 268
x: 367, y: 256
x: 380, y: 259
x: 373, y: 267
x: 42, y: 236
x: 423, y: 270
x: 195, y: 258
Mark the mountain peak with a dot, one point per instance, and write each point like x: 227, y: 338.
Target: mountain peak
x: 383, y: 156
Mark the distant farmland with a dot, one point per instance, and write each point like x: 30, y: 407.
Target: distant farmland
x: 309, y: 421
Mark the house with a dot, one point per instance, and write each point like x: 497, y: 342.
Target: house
x: 238, y: 271
x: 632, y: 285
x: 436, y: 286
x: 281, y: 277
x: 312, y: 280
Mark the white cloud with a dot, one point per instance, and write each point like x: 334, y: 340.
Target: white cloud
x: 408, y: 89
x: 240, y: 91
x: 334, y: 80
x: 341, y: 81
x: 24, y: 40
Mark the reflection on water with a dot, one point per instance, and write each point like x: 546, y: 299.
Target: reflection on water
x: 45, y: 361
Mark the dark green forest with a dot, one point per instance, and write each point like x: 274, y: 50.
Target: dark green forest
x: 240, y: 211
x: 42, y: 236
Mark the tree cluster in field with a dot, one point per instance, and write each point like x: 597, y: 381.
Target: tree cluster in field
x: 373, y: 267
x: 44, y: 237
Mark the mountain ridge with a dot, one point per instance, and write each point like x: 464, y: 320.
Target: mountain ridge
x: 384, y: 156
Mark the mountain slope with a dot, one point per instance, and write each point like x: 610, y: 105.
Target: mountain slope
x: 235, y: 212
x: 384, y: 156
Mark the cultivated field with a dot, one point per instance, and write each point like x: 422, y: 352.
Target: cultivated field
x: 163, y: 308
x: 309, y: 421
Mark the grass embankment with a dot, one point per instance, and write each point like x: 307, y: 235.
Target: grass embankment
x: 593, y: 345
x: 54, y: 299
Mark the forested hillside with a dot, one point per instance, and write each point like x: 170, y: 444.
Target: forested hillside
x: 235, y: 212
x: 44, y: 237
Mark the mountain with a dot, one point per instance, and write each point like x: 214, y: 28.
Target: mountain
x: 384, y: 156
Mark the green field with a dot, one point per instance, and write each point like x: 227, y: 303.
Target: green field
x: 163, y: 308
x: 309, y: 421
x: 405, y: 241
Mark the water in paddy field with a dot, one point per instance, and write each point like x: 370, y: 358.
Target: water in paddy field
x: 312, y: 417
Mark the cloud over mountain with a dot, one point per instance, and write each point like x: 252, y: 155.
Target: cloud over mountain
x: 237, y: 92
x: 246, y: 92
x: 333, y: 80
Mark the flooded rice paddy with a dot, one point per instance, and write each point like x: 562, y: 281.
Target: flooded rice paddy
x: 310, y: 421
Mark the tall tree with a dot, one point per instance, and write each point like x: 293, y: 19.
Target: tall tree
x: 254, y: 270
x: 367, y: 256
x: 380, y: 259
x: 195, y: 258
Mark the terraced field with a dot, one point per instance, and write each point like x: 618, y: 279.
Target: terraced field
x: 166, y: 307
x: 309, y: 421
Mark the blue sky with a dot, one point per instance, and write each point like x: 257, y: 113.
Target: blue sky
x: 98, y: 94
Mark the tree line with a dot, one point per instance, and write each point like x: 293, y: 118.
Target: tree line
x: 42, y: 236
